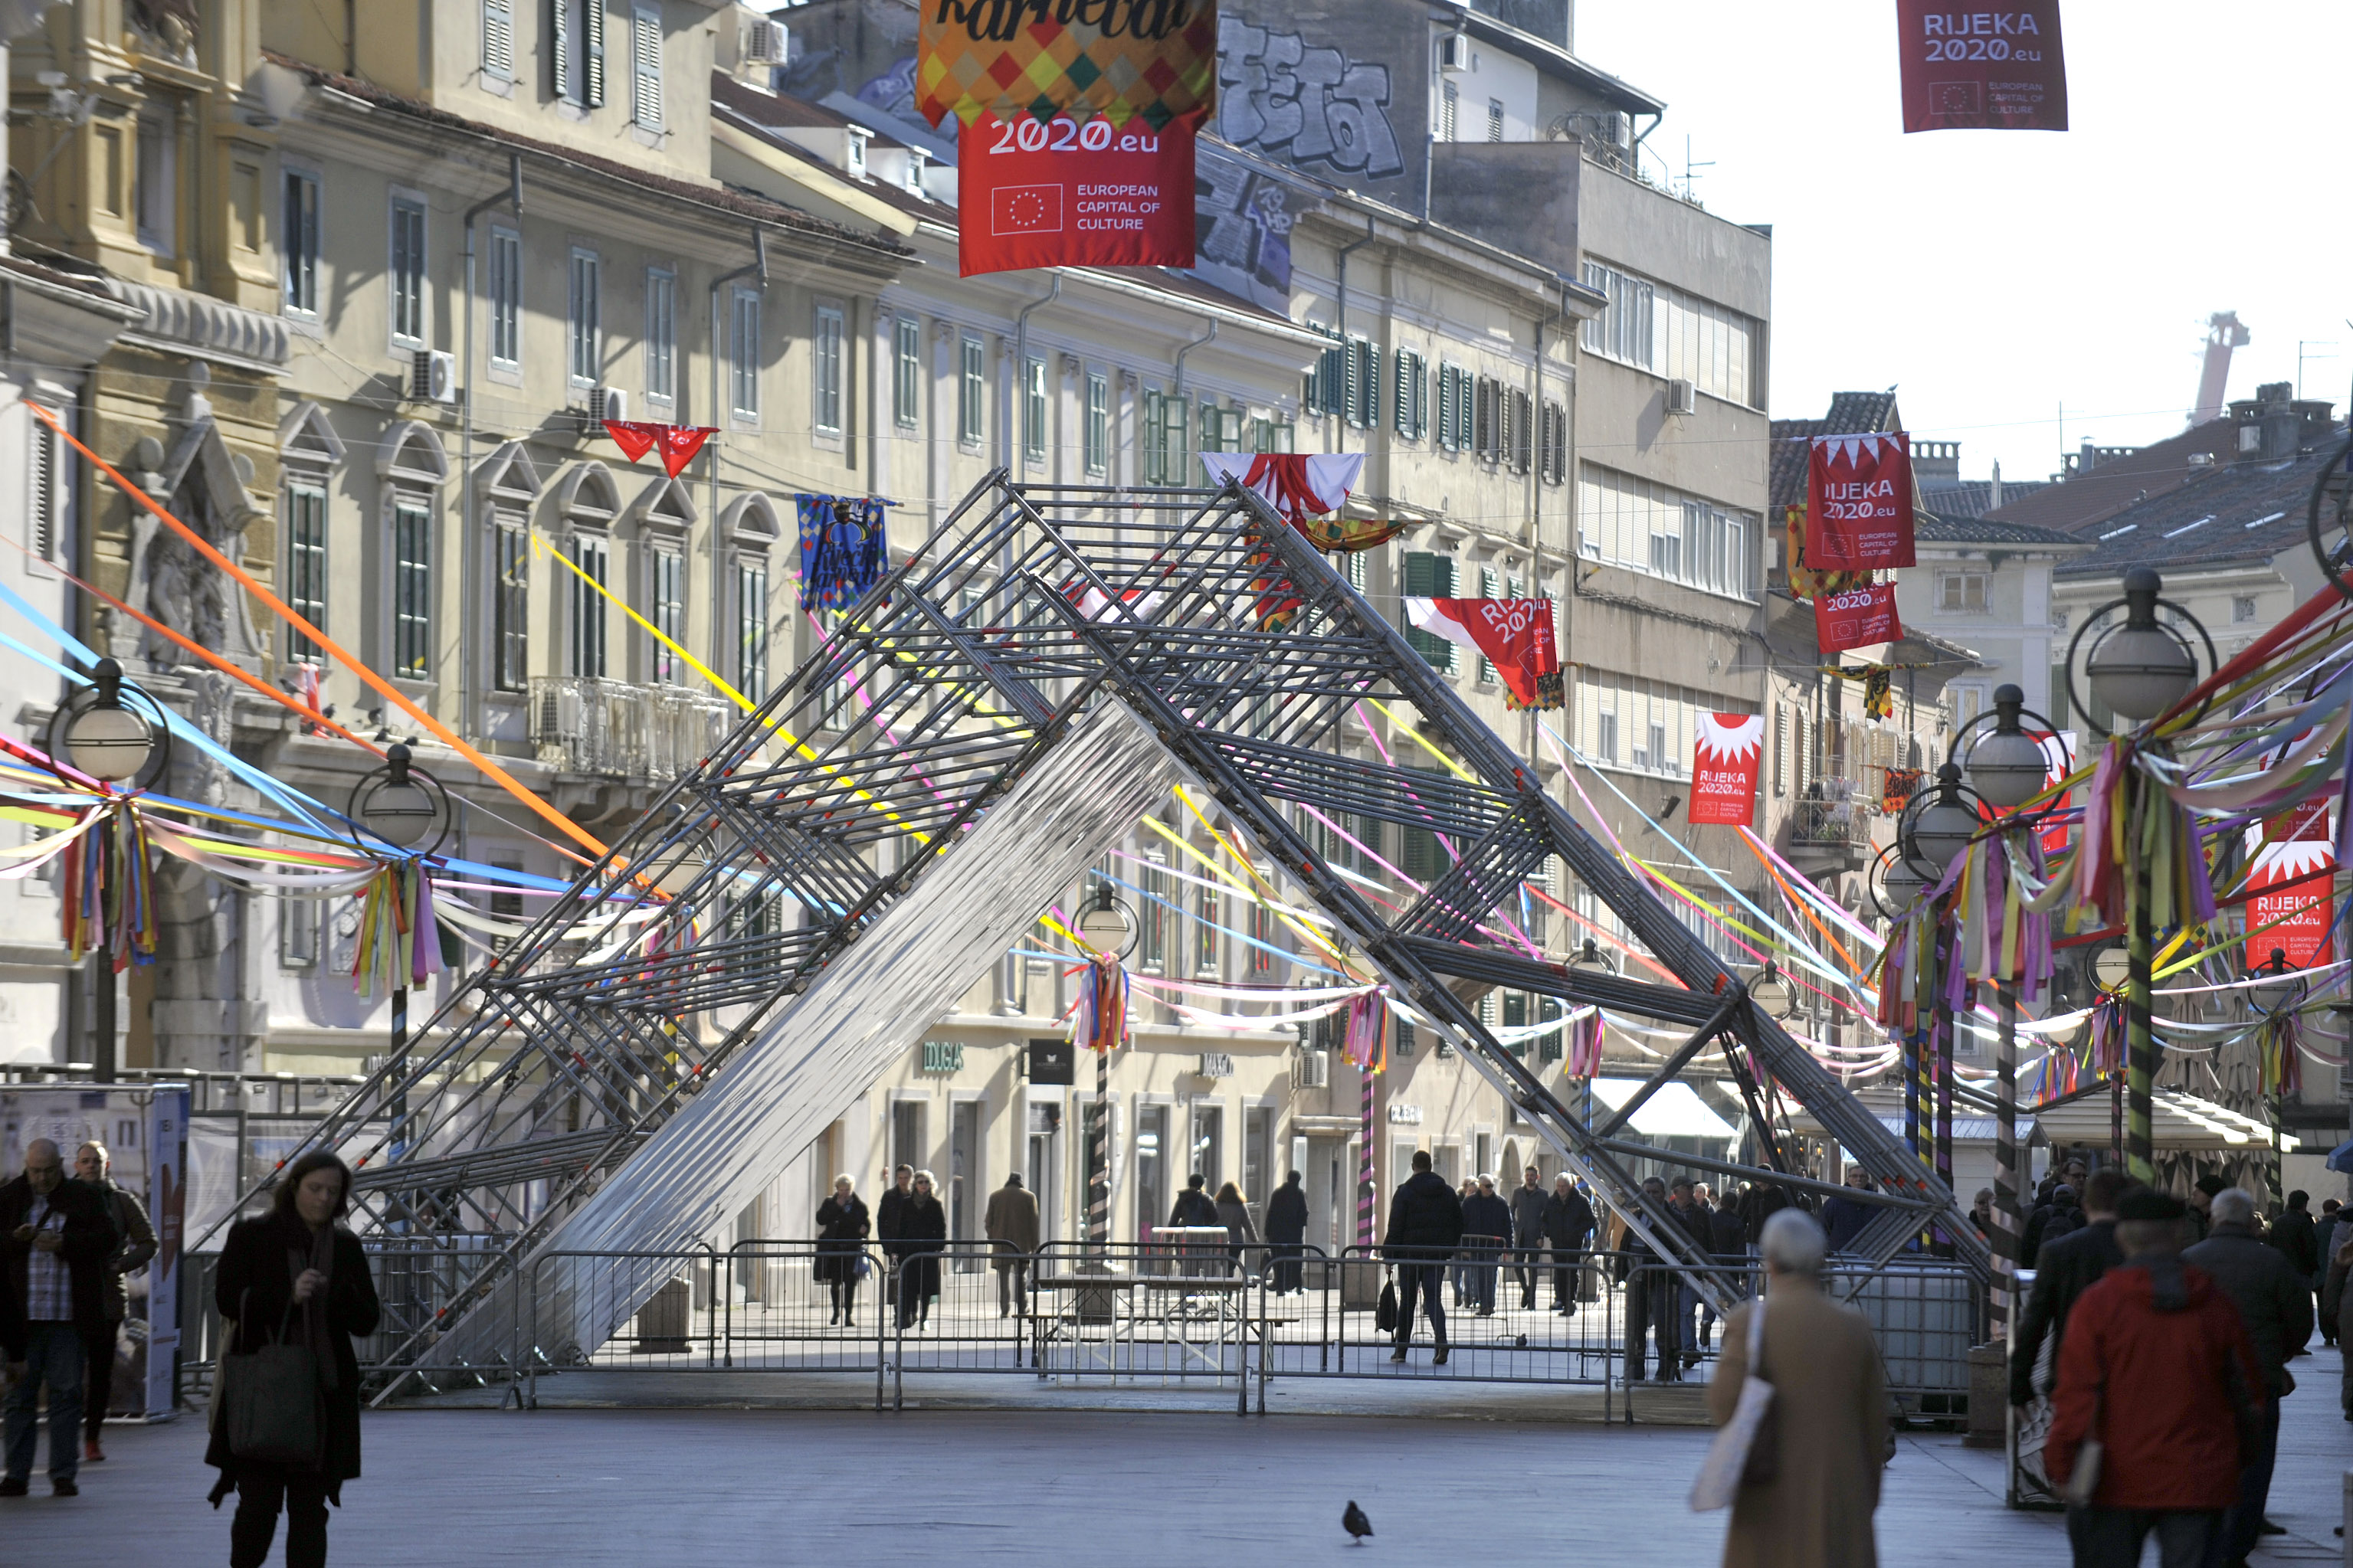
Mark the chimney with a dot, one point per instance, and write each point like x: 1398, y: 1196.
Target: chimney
x: 1993, y: 487
x: 2269, y: 427
x: 1936, y: 463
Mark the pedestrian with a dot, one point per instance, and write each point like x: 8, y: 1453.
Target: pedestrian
x: 1233, y: 1213
x: 1760, y: 1202
x: 1462, y: 1276
x: 1828, y: 1423
x: 1569, y: 1230
x: 1425, y: 1227
x: 1982, y: 1213
x: 2298, y: 1239
x: 1843, y: 1218
x: 1528, y: 1201
x: 2064, y: 1270
x: 1653, y: 1291
x: 1486, y: 1231
x: 1194, y: 1207
x: 2324, y: 1232
x: 1286, y: 1231
x: 2201, y: 1200
x: 890, y: 1225
x: 2158, y: 1368
x: 54, y: 1242
x: 922, y: 1234
x: 2275, y: 1301
x: 2334, y: 1301
x: 1011, y: 1225
x: 297, y: 1276
x: 841, y: 1230
x: 2050, y: 1221
x: 1694, y: 1315
x: 135, y: 1244
x: 1728, y: 1239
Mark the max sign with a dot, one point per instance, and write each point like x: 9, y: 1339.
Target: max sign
x: 1859, y: 502
x: 1058, y: 193
x: 1994, y: 70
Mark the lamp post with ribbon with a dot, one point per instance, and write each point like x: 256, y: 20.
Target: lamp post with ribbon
x: 2276, y: 990
x: 1108, y: 930
x: 1939, y: 828
x: 406, y: 807
x: 116, y: 734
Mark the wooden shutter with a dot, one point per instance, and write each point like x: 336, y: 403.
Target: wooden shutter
x: 498, y: 39
x: 559, y: 47
x: 593, y: 31
x: 646, y: 66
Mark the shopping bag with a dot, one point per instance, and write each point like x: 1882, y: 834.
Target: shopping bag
x: 1744, y: 1451
x: 276, y: 1410
x: 1385, y: 1315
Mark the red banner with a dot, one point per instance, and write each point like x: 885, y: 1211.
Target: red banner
x: 1059, y: 193
x: 1515, y: 634
x: 1982, y: 71
x: 1858, y: 617
x: 2287, y: 848
x: 1859, y: 502
x: 1726, y: 755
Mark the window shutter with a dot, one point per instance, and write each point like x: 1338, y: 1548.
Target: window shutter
x: 1430, y: 576
x: 498, y: 39
x: 1523, y: 431
x: 559, y: 47
x: 1466, y: 414
x: 1446, y: 407
x: 646, y: 63
x: 593, y: 31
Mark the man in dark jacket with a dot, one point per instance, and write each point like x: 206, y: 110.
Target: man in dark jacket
x: 2064, y: 1270
x: 1760, y: 1202
x: 890, y: 1225
x: 1653, y: 1291
x: 1286, y: 1229
x: 135, y: 1244
x: 2324, y: 1235
x: 2050, y: 1221
x: 1195, y: 1207
x: 1568, y: 1227
x: 2201, y: 1200
x: 1425, y: 1227
x: 1844, y: 1218
x: 1528, y: 1200
x: 54, y: 1242
x: 2294, y: 1234
x: 1486, y: 1228
x: 2275, y: 1303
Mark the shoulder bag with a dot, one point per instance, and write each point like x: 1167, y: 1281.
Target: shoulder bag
x: 1746, y: 1451
x: 277, y: 1412
x: 2090, y: 1456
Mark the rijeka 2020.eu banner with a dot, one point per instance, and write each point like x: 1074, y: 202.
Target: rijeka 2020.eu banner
x: 1983, y: 69
x: 1060, y: 192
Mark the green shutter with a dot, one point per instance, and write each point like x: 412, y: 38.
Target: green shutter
x: 1429, y: 575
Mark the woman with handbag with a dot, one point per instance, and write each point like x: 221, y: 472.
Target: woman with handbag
x: 841, y: 1247
x: 1809, y: 1479
x: 292, y: 1289
x: 923, y: 1227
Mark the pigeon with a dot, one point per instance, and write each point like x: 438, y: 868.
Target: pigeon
x: 1355, y: 1522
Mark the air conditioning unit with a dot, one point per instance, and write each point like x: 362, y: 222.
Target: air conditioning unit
x: 607, y: 403
x: 1682, y: 396
x: 1312, y: 1069
x: 433, y: 376
x: 765, y: 43
x: 1611, y: 128
x: 1455, y: 54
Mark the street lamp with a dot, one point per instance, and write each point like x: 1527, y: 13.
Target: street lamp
x: 1899, y: 884
x: 405, y: 806
x: 1943, y: 829
x: 1107, y: 926
x: 1770, y: 993
x: 116, y: 734
x: 2142, y: 668
x: 2005, y: 766
x: 1108, y: 931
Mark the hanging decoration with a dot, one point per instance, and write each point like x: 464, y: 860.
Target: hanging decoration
x: 1516, y: 636
x: 1878, y: 692
x: 1118, y: 59
x: 108, y: 891
x: 1856, y: 616
x: 1859, y: 502
x: 1366, y: 1039
x: 1099, y: 1021
x: 1059, y: 192
x: 1897, y: 786
x: 1726, y: 751
x: 399, y: 945
x: 1807, y: 581
x: 1584, y: 1043
x: 1297, y: 485
x: 2292, y: 847
x: 844, y: 549
x: 1981, y: 70
x: 678, y: 442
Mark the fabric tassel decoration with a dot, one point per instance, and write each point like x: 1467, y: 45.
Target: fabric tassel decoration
x: 1584, y: 1043
x: 1365, y: 1041
x: 399, y: 940
x: 1099, y: 1019
x: 109, y: 888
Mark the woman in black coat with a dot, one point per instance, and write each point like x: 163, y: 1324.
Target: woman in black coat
x: 921, y: 1221
x: 295, y: 1269
x: 840, y: 1244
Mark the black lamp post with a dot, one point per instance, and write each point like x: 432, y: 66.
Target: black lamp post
x: 2276, y: 987
x: 406, y: 807
x: 1108, y: 930
x: 114, y: 732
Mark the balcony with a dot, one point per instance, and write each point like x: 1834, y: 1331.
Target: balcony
x: 1834, y: 832
x: 580, y: 724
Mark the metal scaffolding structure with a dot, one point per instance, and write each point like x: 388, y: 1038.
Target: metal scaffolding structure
x: 984, y: 724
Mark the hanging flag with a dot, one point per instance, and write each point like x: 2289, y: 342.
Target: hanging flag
x: 1365, y: 1042
x: 679, y: 443
x: 2058, y: 762
x: 844, y: 550
x: 1584, y: 1043
x: 1516, y: 636
x: 1857, y: 617
x: 1859, y: 502
x: 1115, y: 60
x: 1878, y: 692
x: 1726, y: 755
x: 1059, y: 193
x: 2292, y: 845
x: 634, y: 438
x: 1297, y: 485
x: 1981, y: 70
x: 1897, y: 786
x: 1805, y: 582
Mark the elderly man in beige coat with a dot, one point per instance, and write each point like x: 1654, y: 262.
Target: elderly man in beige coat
x: 1012, y: 1226
x: 1829, y: 1422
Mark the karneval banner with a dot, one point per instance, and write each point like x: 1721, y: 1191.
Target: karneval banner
x: 1516, y: 636
x: 1727, y: 755
x: 1058, y: 193
x: 1122, y: 59
x: 1859, y: 502
x: 2299, y: 845
x: 1998, y: 70
x: 1856, y: 617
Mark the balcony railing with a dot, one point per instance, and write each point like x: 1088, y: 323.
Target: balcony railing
x: 581, y: 724
x: 1832, y: 823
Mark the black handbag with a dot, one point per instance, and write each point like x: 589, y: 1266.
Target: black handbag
x: 1385, y: 1313
x: 277, y: 1411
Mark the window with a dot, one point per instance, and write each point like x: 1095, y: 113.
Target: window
x: 298, y: 243
x: 662, y: 334
x: 1221, y: 429
x: 592, y: 555
x: 1206, y: 932
x: 1206, y: 1143
x: 576, y: 51
x: 1486, y: 591
x: 743, y: 358
x: 1673, y: 333
x: 1274, y: 435
x: 506, y: 298
x: 907, y: 373
x: 408, y: 274
x: 1660, y: 720
x: 1519, y: 441
x: 299, y: 922
x: 44, y: 500
x: 1326, y: 391
x: 1033, y: 410
x: 1449, y: 111
x: 1361, y: 397
x: 1486, y: 418
x: 1554, y: 439
x: 1263, y: 943
x: 1152, y: 943
x: 412, y: 589
x: 1961, y: 592
x: 752, y: 627
x: 1494, y: 120
x: 2242, y: 609
x: 156, y: 183
x: 1429, y: 575
x: 1098, y: 445
x: 645, y: 65
x: 1632, y: 521
x: 825, y: 363
x: 1622, y: 330
x: 1604, y: 742
x: 1413, y: 395
x: 972, y: 369
x: 510, y: 605
x: 1164, y: 439
x: 669, y: 574
x: 497, y: 40
x: 584, y: 353
x: 306, y: 565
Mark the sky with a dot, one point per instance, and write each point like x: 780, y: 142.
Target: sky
x: 1993, y: 276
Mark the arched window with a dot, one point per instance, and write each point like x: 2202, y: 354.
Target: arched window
x: 588, y: 504
x: 413, y: 468
x: 505, y: 484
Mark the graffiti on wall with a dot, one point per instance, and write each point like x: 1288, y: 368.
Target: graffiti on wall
x: 1245, y: 217
x: 1278, y: 96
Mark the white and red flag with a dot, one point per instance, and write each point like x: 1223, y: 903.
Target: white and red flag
x: 1516, y: 636
x: 2291, y: 849
x: 1727, y: 755
x: 1859, y: 502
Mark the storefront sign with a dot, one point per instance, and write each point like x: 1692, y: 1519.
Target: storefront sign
x: 1216, y: 1064
x: 1405, y: 1115
x: 943, y: 1057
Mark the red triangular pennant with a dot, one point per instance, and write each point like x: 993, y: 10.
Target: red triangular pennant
x: 679, y: 443
x: 634, y: 436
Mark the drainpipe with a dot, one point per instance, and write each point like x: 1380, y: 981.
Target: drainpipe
x: 1176, y: 387
x: 1020, y: 397
x: 468, y: 547
x: 756, y: 268
x: 1339, y: 440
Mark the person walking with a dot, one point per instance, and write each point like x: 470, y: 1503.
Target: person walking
x: 1568, y: 1228
x: 1194, y: 1207
x: 1425, y: 1227
x: 1486, y: 1231
x: 2062, y: 1272
x: 1653, y: 1291
x: 1694, y: 1314
x: 2334, y: 1299
x: 135, y: 1245
x: 1286, y: 1233
x: 1843, y: 1218
x: 922, y: 1236
x: 841, y: 1230
x: 1981, y: 1215
x: 1011, y: 1225
x: 1233, y: 1213
x: 2274, y: 1302
x: 2201, y: 1200
x: 1465, y: 1288
x: 1828, y: 1424
x: 294, y: 1273
x: 2294, y: 1234
x: 890, y: 1225
x: 2062, y: 1215
x: 2324, y: 1232
x: 1528, y: 1201
x: 1727, y: 1237
x: 54, y: 1242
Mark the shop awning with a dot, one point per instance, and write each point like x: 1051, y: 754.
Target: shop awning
x: 2178, y: 1120
x: 1676, y: 1111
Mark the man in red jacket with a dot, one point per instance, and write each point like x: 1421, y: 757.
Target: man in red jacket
x: 2157, y: 1367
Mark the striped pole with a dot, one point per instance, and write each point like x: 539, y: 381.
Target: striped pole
x: 1364, y: 1167
x: 2140, y: 1039
x: 1098, y: 1159
x: 2006, y: 1226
